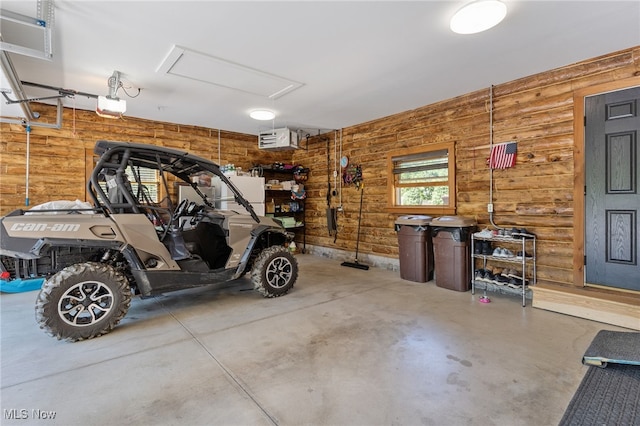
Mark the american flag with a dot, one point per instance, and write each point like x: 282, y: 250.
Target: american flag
x: 503, y: 155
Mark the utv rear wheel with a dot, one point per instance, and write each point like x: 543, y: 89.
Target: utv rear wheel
x: 274, y: 272
x: 83, y: 301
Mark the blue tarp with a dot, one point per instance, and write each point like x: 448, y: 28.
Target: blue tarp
x: 21, y: 285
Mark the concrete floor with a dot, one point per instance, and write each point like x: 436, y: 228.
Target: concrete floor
x: 344, y: 347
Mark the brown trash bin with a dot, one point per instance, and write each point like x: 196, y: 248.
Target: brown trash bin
x: 452, y: 251
x: 415, y: 248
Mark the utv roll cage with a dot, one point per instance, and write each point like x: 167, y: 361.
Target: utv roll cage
x: 111, y: 168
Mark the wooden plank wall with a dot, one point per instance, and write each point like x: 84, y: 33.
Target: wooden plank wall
x: 536, y: 194
x: 60, y: 159
x: 535, y: 111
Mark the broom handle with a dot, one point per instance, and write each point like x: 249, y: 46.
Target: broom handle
x: 359, y: 218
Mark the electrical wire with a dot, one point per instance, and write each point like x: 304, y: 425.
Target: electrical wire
x: 219, y: 150
x: 26, y: 180
x: 340, y: 180
x: 335, y: 163
x: 490, y: 151
x: 127, y: 93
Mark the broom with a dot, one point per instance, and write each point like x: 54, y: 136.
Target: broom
x: 356, y: 263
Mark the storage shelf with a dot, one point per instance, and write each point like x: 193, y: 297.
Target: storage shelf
x: 283, y: 196
x: 514, y: 259
x: 526, y: 244
x: 505, y: 238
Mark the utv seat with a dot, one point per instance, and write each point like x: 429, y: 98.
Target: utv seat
x: 176, y: 245
x: 208, y: 241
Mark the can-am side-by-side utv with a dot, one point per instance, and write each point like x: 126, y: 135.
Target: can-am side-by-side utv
x: 129, y: 242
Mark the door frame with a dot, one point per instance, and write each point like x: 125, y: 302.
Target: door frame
x: 579, y: 96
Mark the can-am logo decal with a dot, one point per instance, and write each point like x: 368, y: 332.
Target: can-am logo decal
x: 54, y: 227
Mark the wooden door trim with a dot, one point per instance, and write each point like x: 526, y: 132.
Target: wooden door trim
x: 579, y: 166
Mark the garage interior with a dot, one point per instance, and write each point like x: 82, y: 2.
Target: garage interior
x: 370, y: 83
x: 344, y: 347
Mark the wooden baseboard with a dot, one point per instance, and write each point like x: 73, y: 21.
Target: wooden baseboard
x: 619, y: 310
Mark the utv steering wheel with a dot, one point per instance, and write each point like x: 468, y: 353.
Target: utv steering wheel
x: 180, y: 209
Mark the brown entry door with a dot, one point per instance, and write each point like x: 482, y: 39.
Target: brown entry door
x: 612, y: 196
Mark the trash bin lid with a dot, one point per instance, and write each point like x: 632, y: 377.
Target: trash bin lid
x: 414, y: 220
x: 454, y: 221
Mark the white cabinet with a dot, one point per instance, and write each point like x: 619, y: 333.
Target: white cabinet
x: 251, y: 188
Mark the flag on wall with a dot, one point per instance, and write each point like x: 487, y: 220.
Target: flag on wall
x: 503, y: 155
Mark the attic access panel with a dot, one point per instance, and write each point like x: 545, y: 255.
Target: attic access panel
x: 193, y: 65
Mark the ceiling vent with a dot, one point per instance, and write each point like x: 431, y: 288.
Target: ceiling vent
x: 278, y: 139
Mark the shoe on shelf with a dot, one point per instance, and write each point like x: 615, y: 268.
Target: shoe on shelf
x: 486, y: 248
x: 500, y: 280
x: 502, y: 252
x: 507, y: 253
x: 519, y: 254
x: 506, y: 272
x: 479, y: 274
x: 521, y: 233
x: 514, y: 274
x: 485, y: 233
x: 515, y: 282
x: 497, y: 271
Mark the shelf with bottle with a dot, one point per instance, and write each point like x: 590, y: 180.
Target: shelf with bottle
x: 285, y: 196
x: 290, y: 212
x: 504, y: 247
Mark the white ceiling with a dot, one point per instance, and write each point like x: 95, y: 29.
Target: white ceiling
x: 357, y: 61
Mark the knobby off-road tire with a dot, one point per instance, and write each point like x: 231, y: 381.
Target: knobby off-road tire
x: 274, y: 272
x: 83, y: 301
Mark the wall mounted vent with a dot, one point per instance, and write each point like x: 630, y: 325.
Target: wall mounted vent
x: 278, y: 139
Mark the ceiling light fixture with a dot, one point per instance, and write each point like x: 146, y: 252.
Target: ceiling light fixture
x: 262, y: 114
x: 478, y: 16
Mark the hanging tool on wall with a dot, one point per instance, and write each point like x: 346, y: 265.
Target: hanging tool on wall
x: 335, y: 191
x: 352, y: 175
x: 332, y: 225
x: 342, y: 158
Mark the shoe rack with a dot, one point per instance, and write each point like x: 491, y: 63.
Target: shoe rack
x: 512, y: 254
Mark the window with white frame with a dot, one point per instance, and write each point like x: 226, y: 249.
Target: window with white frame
x: 422, y: 179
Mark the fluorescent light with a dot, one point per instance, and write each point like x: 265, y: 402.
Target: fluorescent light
x: 477, y: 16
x: 262, y: 114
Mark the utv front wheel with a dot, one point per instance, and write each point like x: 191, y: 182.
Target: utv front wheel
x: 83, y: 301
x: 274, y: 272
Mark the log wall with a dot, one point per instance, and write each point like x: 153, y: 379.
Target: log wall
x: 537, y: 194
x: 61, y: 159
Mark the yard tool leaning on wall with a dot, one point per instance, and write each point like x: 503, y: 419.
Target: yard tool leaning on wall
x: 352, y: 175
x: 332, y: 216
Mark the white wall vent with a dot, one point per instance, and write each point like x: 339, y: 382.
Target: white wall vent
x: 279, y: 139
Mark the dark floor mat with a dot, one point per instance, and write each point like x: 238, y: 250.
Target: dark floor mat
x: 606, y: 396
x: 616, y: 347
